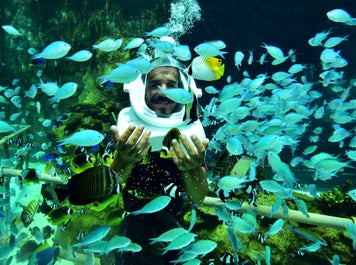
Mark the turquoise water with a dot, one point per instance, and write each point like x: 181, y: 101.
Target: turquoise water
x: 244, y: 26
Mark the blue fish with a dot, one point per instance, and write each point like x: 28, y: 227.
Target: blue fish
x: 44, y: 255
x: 50, y: 157
x: 38, y: 62
x: 95, y: 148
x: 108, y: 84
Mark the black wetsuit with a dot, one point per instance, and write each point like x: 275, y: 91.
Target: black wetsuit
x: 146, y: 182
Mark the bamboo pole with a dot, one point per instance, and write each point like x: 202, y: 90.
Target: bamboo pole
x: 42, y: 176
x: 10, y: 136
x: 3, y: 141
x: 293, y: 215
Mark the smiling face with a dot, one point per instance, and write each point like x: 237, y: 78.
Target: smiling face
x: 166, y: 77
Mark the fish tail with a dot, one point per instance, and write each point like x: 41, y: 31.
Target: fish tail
x: 103, y: 79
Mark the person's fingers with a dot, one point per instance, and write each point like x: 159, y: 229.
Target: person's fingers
x: 133, y: 137
x: 115, y: 132
x: 179, y: 153
x: 200, y: 146
x: 142, y: 141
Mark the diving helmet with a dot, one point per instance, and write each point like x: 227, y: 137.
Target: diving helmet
x: 140, y: 113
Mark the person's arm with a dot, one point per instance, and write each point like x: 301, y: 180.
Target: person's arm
x: 131, y: 147
x: 190, y: 164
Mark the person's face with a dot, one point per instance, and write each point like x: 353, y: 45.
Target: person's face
x: 166, y: 77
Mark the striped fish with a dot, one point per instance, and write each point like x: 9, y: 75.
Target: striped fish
x: 92, y: 184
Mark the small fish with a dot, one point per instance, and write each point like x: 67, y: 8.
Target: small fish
x: 84, y: 138
x: 61, y: 215
x: 80, y: 56
x: 173, y: 133
x: 106, y: 158
x: 108, y: 45
x: 94, y: 236
x: 182, y: 52
x: 92, y: 184
x: 238, y: 57
x: 208, y: 50
x: 172, y: 191
x: 333, y: 41
x: 50, y: 157
x: 108, y: 85
x: 207, y: 68
x: 335, y: 260
x: 29, y: 175
x: 227, y: 258
x: 179, y: 95
x: 341, y: 16
x: 193, y: 219
x: 49, y: 88
x: 159, y: 32
x: 260, y: 238
x: 11, y: 30
x: 246, y: 224
x: 276, y: 53
x: 169, y: 235
x: 124, y: 73
x: 37, y: 233
x: 153, y: 206
x: 201, y: 247
x: 55, y: 50
x: 311, y: 248
x: 82, y: 162
x: 28, y: 212
x: 5, y: 127
x: 133, y: 247
x: 143, y: 65
x: 66, y: 90
x: 180, y: 242
x: 116, y: 242
x: 134, y: 43
x: 306, y: 236
x: 37, y: 62
x: 275, y: 228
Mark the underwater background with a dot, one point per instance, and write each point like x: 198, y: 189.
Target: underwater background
x: 27, y: 222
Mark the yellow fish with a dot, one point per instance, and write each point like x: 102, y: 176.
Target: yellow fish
x: 101, y: 205
x: 106, y: 158
x: 82, y: 162
x: 173, y: 133
x: 28, y: 212
x: 60, y: 215
x: 207, y: 68
x: 29, y: 175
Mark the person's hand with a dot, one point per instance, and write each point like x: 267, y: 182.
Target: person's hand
x: 132, y: 145
x: 193, y: 158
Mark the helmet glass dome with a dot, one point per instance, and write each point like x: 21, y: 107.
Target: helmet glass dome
x: 137, y: 93
x: 166, y: 73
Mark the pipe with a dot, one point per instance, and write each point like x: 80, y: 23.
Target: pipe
x: 10, y: 136
x: 293, y: 215
x: 42, y: 176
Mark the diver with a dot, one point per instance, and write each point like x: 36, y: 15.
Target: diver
x: 160, y: 149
